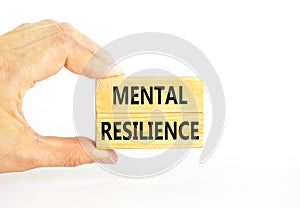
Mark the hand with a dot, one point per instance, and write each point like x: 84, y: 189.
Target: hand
x: 28, y: 54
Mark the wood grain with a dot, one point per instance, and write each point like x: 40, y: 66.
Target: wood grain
x: 117, y: 114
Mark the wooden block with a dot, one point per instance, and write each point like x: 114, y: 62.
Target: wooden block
x: 133, y: 113
x: 156, y: 135
x: 186, y: 89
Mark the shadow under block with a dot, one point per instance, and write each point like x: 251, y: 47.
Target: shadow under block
x: 149, y: 112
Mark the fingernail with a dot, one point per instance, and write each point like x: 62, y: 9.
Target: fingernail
x: 115, y: 71
x: 111, y: 158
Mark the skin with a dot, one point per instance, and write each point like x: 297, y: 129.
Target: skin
x: 31, y: 53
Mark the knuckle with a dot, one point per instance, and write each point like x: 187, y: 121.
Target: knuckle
x: 66, y: 36
x: 65, y: 40
x: 48, y: 21
x: 69, y: 29
x: 65, y: 27
x: 72, y: 160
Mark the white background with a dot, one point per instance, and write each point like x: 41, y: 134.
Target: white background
x: 254, y: 46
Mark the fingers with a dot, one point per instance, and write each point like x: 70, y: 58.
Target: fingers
x: 81, y: 38
x: 32, y: 26
x: 97, y: 65
x: 27, y: 34
x: 81, y: 61
x: 45, y: 28
x: 56, y: 151
x: 50, y: 55
x: 48, y: 39
x: 37, y: 51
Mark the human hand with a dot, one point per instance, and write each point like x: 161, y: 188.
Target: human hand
x: 31, y: 53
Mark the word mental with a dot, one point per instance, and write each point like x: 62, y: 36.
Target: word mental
x: 137, y: 95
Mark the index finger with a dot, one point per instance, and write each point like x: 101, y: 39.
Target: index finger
x: 70, y: 49
x: 100, y: 64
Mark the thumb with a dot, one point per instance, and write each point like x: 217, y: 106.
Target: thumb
x: 71, y: 151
